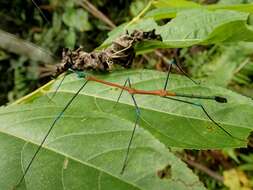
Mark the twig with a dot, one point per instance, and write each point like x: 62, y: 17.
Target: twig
x: 96, y: 13
x: 135, y: 19
x: 250, y: 143
x: 18, y: 46
x: 244, y: 63
x: 42, y: 90
x: 159, y: 54
x: 204, y: 169
x: 165, y: 59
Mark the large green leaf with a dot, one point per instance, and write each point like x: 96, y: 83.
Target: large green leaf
x: 191, y: 27
x: 180, y: 5
x: 86, y: 148
x: 205, y: 27
x: 171, y: 12
x: 176, y: 3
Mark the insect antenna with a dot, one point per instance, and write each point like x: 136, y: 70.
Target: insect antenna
x: 206, y: 113
x: 39, y: 9
x: 48, y: 132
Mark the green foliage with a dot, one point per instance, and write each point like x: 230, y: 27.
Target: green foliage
x: 191, y: 27
x: 171, y: 12
x: 87, y: 146
x: 77, y: 18
x: 221, y: 63
x: 248, y: 165
x: 137, y: 6
x: 177, y: 6
x: 224, y: 65
x: 176, y: 3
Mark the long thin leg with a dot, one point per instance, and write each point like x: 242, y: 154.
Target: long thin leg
x: 206, y: 113
x: 167, y: 78
x: 135, y: 123
x: 48, y: 132
x: 185, y: 74
x: 137, y: 110
x: 121, y: 92
x: 65, y: 74
x: 175, y: 62
x: 58, y: 87
x: 133, y: 132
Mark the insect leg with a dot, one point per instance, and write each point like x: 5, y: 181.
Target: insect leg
x: 48, y: 132
x: 182, y: 70
x: 58, y: 87
x: 167, y: 78
x: 207, y: 115
x: 121, y: 92
x: 137, y: 110
x: 175, y: 62
x: 65, y: 74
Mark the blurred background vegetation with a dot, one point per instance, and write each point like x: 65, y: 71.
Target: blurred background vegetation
x: 31, y: 42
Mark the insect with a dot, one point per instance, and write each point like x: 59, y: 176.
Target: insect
x: 121, y: 52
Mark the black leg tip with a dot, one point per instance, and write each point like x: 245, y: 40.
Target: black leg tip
x: 220, y: 99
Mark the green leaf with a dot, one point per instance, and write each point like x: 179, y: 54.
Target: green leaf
x: 171, y: 12
x: 88, y: 144
x: 169, y: 9
x: 176, y: 3
x: 248, y: 8
x: 205, y: 27
x: 77, y: 18
x: 163, y: 13
x: 180, y: 5
x: 231, y: 2
x: 192, y: 27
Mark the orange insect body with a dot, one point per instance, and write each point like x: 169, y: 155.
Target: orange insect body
x: 130, y: 90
